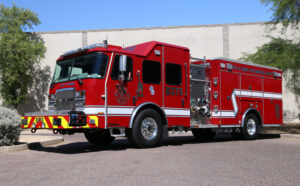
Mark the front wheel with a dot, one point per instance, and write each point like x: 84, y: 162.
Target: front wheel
x: 147, y: 129
x: 99, y: 138
x: 250, y: 129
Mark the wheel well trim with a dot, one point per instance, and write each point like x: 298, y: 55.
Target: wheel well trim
x: 246, y: 113
x: 140, y: 107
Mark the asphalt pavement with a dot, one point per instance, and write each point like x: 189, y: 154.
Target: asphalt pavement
x: 270, y: 160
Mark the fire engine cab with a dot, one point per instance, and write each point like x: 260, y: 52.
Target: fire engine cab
x: 144, y: 91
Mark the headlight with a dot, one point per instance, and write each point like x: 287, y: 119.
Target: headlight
x: 80, y: 103
x: 52, y: 101
x: 51, y: 106
x: 80, y: 94
x: 51, y: 97
x: 24, y: 121
x: 80, y: 98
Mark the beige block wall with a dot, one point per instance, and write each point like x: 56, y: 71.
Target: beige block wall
x: 229, y: 40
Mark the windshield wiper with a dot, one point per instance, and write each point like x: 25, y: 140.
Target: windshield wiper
x: 57, y: 79
x: 80, y: 81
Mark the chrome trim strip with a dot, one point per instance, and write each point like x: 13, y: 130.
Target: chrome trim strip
x: 107, y: 76
x: 64, y: 89
x: 230, y: 126
x: 50, y: 113
x: 203, y: 126
x: 271, y: 125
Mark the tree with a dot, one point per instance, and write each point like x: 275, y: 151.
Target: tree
x: 283, y: 54
x: 20, y: 51
x: 286, y: 12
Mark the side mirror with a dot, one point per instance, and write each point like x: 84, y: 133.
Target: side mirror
x: 123, y: 63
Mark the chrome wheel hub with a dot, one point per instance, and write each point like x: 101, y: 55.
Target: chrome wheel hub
x: 251, y: 127
x: 149, y: 128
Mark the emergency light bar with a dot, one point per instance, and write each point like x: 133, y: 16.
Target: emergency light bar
x: 85, y: 48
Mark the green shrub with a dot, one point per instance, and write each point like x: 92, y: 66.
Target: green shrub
x: 9, y: 127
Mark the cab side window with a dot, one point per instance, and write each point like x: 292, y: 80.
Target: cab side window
x: 115, y: 69
x: 151, y: 72
x: 173, y: 74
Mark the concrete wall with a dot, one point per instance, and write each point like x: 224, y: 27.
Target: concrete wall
x: 228, y: 40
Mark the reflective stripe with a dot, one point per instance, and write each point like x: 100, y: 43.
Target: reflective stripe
x: 271, y: 125
x: 272, y: 95
x: 171, y: 112
x: 119, y: 110
x: 223, y: 114
x: 93, y: 110
x: 244, y: 93
x: 257, y: 94
x: 228, y: 114
x: 128, y: 111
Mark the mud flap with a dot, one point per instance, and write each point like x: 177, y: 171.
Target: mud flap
x: 165, y: 135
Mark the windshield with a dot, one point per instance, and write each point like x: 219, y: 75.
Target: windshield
x: 86, y: 66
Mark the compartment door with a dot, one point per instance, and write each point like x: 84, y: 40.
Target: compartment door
x: 229, y: 111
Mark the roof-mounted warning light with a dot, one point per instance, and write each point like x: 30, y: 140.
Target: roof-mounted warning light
x: 104, y: 45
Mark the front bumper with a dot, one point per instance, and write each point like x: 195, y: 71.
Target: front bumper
x: 57, y: 120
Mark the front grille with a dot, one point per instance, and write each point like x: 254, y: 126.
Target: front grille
x: 65, y: 99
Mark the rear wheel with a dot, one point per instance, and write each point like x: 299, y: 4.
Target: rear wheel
x: 147, y: 129
x: 250, y: 128
x: 99, y: 138
x: 204, y: 134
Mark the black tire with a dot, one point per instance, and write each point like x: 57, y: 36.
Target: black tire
x: 204, y: 134
x: 236, y: 135
x: 128, y: 133
x: 99, y: 138
x: 146, y: 120
x: 250, y: 128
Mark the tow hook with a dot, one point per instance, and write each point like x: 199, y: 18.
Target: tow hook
x: 33, y: 130
x: 55, y: 131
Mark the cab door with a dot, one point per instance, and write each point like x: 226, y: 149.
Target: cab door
x: 151, y: 78
x: 176, y: 102
x: 120, y: 93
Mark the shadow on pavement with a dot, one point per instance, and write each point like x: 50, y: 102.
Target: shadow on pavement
x: 123, y: 144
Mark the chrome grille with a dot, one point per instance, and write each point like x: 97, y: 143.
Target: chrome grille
x: 65, y: 99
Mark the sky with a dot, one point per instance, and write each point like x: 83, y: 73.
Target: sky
x: 64, y: 15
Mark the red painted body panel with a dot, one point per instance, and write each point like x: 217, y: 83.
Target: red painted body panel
x: 256, y: 86
x: 240, y: 87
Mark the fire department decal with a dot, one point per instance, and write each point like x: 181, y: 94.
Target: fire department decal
x: 122, y: 94
x: 152, y: 91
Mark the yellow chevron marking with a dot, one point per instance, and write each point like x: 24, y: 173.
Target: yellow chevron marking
x: 92, y: 117
x: 64, y: 122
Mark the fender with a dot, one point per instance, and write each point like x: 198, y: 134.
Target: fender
x: 245, y: 114
x: 135, y: 111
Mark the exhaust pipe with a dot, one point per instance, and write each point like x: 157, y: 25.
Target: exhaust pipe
x: 33, y: 130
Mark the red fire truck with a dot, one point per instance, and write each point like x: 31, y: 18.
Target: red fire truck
x: 144, y: 91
